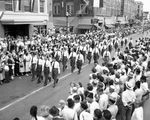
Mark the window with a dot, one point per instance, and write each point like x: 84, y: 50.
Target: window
x: 85, y: 11
x: 27, y: 5
x: 70, y: 8
x: 8, y: 5
x: 56, y: 9
x: 42, y: 2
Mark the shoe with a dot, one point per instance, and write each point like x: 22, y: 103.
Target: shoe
x: 45, y: 84
x: 57, y: 80
x: 54, y: 86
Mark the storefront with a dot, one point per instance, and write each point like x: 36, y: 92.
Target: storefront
x: 23, y: 24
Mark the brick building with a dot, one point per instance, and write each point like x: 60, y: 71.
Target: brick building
x: 21, y: 17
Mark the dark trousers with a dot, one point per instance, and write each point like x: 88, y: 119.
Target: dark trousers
x: 33, y: 71
x: 89, y: 56
x: 72, y: 63
x: 84, y: 54
x: 95, y: 56
x: 39, y: 73
x: 64, y: 62
x: 126, y: 112
x: 46, y: 74
x: 7, y: 76
x: 79, y: 65
x: 55, y: 75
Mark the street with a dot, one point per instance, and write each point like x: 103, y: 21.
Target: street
x: 19, y: 95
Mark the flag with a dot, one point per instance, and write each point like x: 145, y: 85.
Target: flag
x: 32, y: 5
x: 17, y: 5
x: 98, y: 3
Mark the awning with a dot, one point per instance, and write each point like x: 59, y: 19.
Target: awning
x: 109, y: 25
x: 84, y: 27
x: 10, y: 18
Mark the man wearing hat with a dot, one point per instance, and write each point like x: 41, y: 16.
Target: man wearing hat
x: 55, y: 71
x: 128, y: 98
x: 57, y: 55
x: 65, y: 56
x: 89, y: 53
x: 72, y: 58
x: 106, y: 57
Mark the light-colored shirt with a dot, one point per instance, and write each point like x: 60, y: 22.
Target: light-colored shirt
x: 56, y: 65
x: 137, y: 114
x: 128, y: 96
x: 114, y: 110
x: 80, y: 57
x: 103, y: 102
x: 85, y: 116
x: 94, y: 105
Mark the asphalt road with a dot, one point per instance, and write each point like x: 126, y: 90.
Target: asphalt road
x: 18, y: 96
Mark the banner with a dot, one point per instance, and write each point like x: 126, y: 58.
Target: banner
x: 96, y: 3
x: 32, y: 5
x: 17, y: 5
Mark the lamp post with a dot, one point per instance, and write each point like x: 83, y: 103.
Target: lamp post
x: 67, y: 23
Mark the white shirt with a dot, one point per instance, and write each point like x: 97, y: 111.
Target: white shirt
x: 114, y: 110
x: 94, y: 105
x: 103, y: 102
x: 85, y: 116
x: 69, y: 114
x: 38, y: 118
x: 72, y: 54
x: 137, y: 114
x: 65, y: 54
x: 98, y: 69
x: 128, y: 96
x: 80, y: 57
x: 47, y: 63
x: 56, y: 65
x: 34, y: 60
x: 139, y: 94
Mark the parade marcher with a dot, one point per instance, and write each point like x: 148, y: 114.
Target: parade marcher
x: 6, y: 70
x: 57, y: 55
x: 55, y: 71
x: 84, y: 51
x: 65, y: 57
x: 106, y: 57
x: 79, y: 61
x: 47, y: 67
x: 89, y: 54
x: 116, y: 45
x: 33, y: 66
x: 95, y: 54
x: 39, y: 69
x: 72, y: 57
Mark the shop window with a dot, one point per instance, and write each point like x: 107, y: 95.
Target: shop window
x: 27, y: 5
x: 70, y: 8
x: 8, y: 5
x: 56, y: 9
x: 42, y: 3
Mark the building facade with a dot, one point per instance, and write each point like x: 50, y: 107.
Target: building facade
x: 22, y: 17
x: 81, y: 12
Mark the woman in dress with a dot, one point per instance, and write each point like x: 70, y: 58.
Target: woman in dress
x: 28, y: 59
